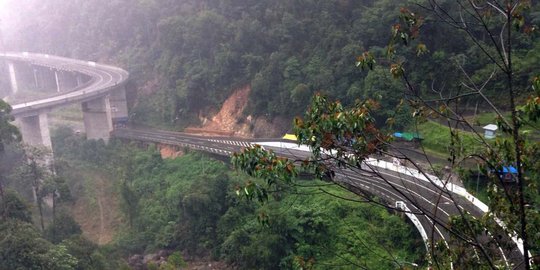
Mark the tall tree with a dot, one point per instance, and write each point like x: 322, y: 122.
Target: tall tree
x: 342, y: 139
x: 8, y: 133
x: 35, y: 171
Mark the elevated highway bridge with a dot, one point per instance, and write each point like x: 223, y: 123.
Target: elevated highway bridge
x: 100, y: 90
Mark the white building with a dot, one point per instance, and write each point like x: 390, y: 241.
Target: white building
x: 490, y: 131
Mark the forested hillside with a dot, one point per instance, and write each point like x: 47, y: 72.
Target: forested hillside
x: 182, y: 211
x: 189, y: 204
x: 186, y: 57
x: 191, y: 54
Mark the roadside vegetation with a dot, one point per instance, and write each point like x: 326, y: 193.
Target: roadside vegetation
x: 437, y: 138
x: 37, y: 228
x: 186, y: 58
x: 190, y: 204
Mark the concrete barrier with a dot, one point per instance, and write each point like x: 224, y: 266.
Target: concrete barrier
x: 418, y: 175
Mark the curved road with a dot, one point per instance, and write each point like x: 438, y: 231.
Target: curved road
x: 428, y: 202
x: 104, y: 79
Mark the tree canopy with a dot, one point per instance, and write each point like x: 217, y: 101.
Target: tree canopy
x: 198, y: 52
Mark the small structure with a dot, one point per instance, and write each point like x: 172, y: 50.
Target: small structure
x: 290, y: 137
x: 490, y: 131
x: 508, y: 173
x: 408, y: 136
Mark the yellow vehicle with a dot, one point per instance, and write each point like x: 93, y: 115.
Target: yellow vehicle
x: 290, y: 137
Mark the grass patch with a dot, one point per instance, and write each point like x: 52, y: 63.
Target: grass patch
x: 437, y: 139
x: 532, y: 129
x: 483, y: 119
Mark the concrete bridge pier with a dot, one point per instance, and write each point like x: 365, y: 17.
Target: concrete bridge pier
x: 25, y: 77
x: 119, y: 110
x: 79, y: 79
x: 13, y: 78
x: 35, y: 130
x: 44, y: 79
x: 22, y: 76
x: 57, y: 80
x: 37, y: 78
x: 47, y: 80
x: 97, y: 118
x: 65, y: 80
x: 35, y: 133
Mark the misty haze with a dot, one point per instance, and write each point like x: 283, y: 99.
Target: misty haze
x: 287, y: 134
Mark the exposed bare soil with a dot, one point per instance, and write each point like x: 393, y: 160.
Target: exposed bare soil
x: 231, y: 120
x: 227, y: 122
x: 97, y: 210
x: 168, y: 151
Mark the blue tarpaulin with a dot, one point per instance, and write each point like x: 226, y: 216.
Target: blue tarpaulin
x: 509, y: 169
x: 408, y: 136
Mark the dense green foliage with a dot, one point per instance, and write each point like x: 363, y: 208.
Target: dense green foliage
x: 190, y: 204
x: 34, y: 234
x: 22, y: 248
x: 192, y: 55
x: 496, y: 65
x: 8, y: 132
x: 61, y: 246
x: 22, y: 245
x: 199, y: 51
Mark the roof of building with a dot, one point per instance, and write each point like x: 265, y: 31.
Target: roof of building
x: 409, y: 136
x: 491, y: 127
x: 509, y: 169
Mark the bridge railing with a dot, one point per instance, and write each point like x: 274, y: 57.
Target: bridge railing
x: 88, y: 91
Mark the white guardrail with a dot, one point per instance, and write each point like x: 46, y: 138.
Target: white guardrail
x: 445, y: 185
x: 91, y: 89
x: 403, y: 206
x: 418, y: 175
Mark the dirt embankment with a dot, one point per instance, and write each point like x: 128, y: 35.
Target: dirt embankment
x: 97, y: 209
x: 228, y: 121
x: 169, y: 151
x: 231, y: 120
